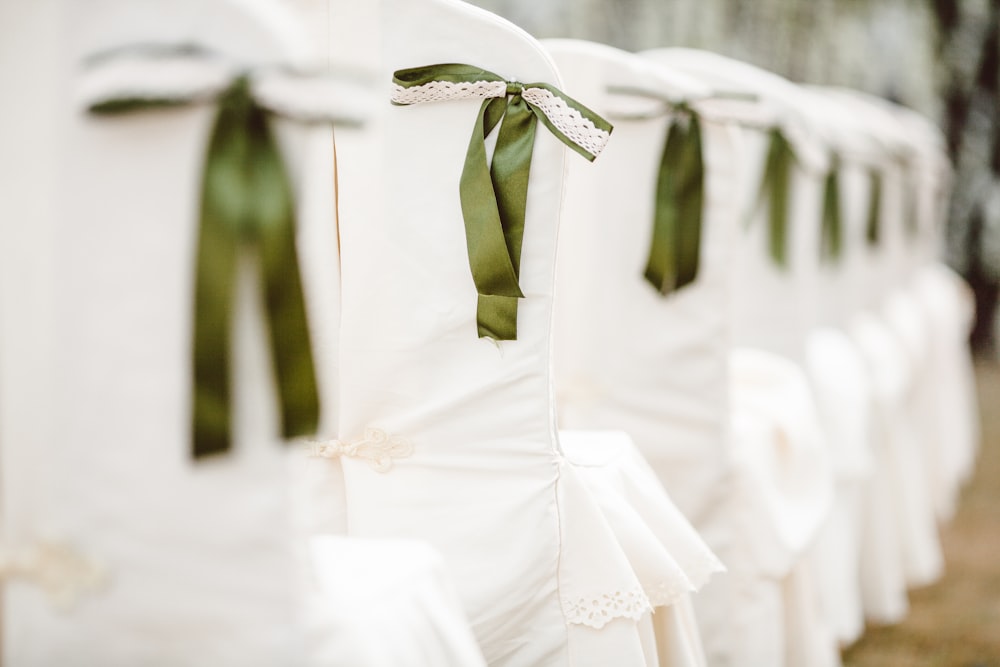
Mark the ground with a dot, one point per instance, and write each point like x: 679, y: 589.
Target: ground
x: 955, y: 622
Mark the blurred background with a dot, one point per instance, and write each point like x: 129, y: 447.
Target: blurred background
x: 939, y: 57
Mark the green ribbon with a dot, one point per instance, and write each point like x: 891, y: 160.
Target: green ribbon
x: 775, y: 188
x: 247, y: 204
x: 911, y: 197
x: 675, y: 248
x: 873, y: 229
x: 494, y: 196
x: 831, y: 237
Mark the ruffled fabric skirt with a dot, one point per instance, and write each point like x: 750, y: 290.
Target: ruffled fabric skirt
x: 899, y: 545
x: 662, y: 558
x: 610, y: 587
x: 950, y: 417
x: 843, y: 397
x: 783, y: 491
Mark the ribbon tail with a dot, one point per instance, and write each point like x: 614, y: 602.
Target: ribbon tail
x: 493, y: 270
x: 509, y: 174
x: 288, y: 326
x: 832, y: 233
x: 215, y: 283
x: 911, y: 199
x: 690, y: 203
x: 777, y: 178
x: 873, y: 231
x: 660, y: 266
x: 675, y: 249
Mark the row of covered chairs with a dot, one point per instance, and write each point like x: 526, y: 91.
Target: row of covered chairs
x: 658, y: 367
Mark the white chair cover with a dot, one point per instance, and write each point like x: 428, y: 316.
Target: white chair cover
x: 545, y: 569
x: 949, y: 307
x: 665, y: 382
x: 773, y: 309
x: 199, y: 557
x: 949, y: 412
x: 895, y: 308
x: 838, y: 375
x: 843, y: 397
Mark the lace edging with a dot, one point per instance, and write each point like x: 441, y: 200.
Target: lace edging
x: 440, y: 91
x: 581, y: 131
x: 598, y: 610
x: 578, y: 129
x: 664, y: 594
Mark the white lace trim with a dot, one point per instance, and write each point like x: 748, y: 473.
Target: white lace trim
x: 581, y: 131
x: 440, y: 91
x: 63, y: 573
x: 563, y: 117
x: 377, y: 447
x: 599, y: 610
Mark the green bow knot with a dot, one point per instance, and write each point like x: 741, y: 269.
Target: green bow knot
x: 831, y: 238
x: 494, y: 195
x: 775, y: 188
x: 247, y: 207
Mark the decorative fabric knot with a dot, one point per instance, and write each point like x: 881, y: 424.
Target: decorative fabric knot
x: 494, y: 196
x: 61, y: 572
x: 247, y: 202
x: 377, y: 447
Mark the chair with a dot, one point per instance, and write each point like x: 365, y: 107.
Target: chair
x: 774, y: 280
x: 546, y: 566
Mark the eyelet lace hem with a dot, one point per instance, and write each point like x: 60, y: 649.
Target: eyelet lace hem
x: 599, y: 610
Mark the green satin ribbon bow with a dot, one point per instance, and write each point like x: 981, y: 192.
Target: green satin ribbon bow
x: 494, y: 196
x: 675, y: 248
x: 873, y: 229
x: 247, y: 205
x: 831, y: 237
x: 775, y: 187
